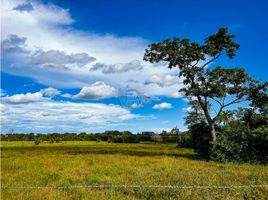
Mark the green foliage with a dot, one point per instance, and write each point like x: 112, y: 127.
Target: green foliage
x: 241, y: 144
x: 187, y: 140
x: 250, y: 118
x: 37, y: 141
x: 201, y: 139
x: 124, y: 139
x: 243, y: 138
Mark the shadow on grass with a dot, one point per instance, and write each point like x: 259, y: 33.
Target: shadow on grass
x: 130, y: 151
x: 134, y: 153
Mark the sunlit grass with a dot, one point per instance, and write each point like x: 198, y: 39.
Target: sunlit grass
x: 91, y: 163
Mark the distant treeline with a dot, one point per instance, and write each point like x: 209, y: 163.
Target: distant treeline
x: 110, y: 136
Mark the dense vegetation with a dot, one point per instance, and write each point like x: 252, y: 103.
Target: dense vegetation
x: 183, y: 140
x: 244, y: 138
x: 90, y: 163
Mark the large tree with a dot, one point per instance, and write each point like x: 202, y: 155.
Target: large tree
x: 209, y: 87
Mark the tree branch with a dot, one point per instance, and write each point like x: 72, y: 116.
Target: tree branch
x: 214, y: 58
x: 220, y: 103
x: 237, y: 100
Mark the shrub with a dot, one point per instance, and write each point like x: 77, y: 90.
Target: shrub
x: 240, y: 144
x: 201, y: 139
x: 37, y: 141
x: 186, y: 140
x: 125, y: 139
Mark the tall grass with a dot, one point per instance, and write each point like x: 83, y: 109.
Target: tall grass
x: 91, y: 163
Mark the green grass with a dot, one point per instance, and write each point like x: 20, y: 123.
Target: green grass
x: 90, y: 163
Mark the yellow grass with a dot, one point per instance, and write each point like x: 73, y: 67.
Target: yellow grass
x: 91, y: 163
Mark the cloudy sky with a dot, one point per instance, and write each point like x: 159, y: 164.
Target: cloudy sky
x: 77, y: 65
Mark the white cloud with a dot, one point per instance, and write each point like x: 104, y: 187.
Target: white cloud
x: 48, y: 116
x: 67, y: 95
x: 176, y: 95
x: 50, y: 92
x: 166, y: 80
x: 65, y: 54
x: 136, y: 105
x: 32, y: 97
x: 25, y: 98
x: 97, y: 90
x: 162, y: 106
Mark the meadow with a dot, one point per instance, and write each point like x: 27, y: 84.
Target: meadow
x: 90, y: 163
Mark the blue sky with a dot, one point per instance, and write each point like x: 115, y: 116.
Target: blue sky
x: 73, y: 66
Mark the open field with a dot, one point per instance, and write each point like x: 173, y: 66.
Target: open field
x: 91, y: 163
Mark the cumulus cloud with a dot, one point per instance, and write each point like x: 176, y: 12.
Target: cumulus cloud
x: 136, y: 105
x: 162, y: 81
x: 97, y: 90
x: 50, y: 92
x: 119, y: 67
x: 25, y: 98
x: 162, y: 106
x: 48, y: 116
x: 32, y: 97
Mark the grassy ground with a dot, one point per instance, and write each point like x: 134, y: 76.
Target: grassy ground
x: 87, y: 163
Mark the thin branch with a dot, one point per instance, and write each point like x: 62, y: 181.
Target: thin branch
x: 214, y: 58
x: 220, y: 103
x: 237, y: 100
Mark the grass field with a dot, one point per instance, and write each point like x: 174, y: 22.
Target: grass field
x: 91, y: 163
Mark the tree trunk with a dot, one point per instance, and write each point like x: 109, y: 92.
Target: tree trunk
x: 212, y: 131
x: 210, y: 121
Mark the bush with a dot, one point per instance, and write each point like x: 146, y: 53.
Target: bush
x: 186, y: 140
x: 240, y: 144
x: 37, y: 141
x: 201, y: 139
x: 124, y: 139
x: 260, y: 144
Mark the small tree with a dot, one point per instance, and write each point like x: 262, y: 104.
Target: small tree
x: 37, y: 141
x: 223, y: 86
